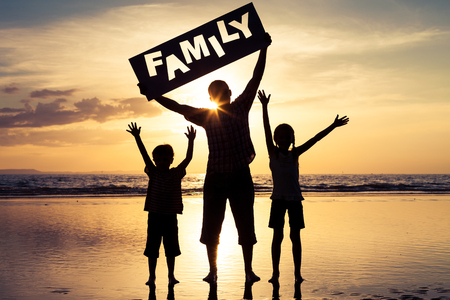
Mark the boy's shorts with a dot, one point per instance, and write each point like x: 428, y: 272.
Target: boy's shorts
x: 295, y: 212
x: 165, y: 227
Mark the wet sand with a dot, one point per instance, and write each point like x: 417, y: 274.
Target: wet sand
x: 360, y: 247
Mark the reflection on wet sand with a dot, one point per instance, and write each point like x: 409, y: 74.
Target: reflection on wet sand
x: 248, y: 291
x: 170, y: 293
x: 212, y: 291
x: 248, y: 294
x: 276, y: 290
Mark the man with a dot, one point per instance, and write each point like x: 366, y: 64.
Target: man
x: 228, y: 173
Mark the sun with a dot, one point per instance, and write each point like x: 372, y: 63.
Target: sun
x: 211, y: 105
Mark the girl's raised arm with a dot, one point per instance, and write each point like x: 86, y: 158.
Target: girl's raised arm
x: 338, y: 122
x: 268, y: 132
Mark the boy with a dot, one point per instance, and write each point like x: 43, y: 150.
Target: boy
x: 228, y: 173
x: 163, y: 201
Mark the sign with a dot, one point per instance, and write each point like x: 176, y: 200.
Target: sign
x: 200, y: 51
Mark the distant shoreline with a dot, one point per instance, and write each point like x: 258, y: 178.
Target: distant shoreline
x: 325, y: 197
x: 37, y: 172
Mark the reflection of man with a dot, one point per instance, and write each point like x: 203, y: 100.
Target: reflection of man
x: 228, y: 173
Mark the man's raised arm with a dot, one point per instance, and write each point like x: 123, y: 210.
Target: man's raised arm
x: 172, y: 105
x: 258, y: 72
x: 168, y: 103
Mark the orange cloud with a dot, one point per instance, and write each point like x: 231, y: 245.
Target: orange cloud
x: 54, y: 113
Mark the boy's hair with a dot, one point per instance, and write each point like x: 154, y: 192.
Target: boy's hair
x: 217, y: 89
x: 164, y: 149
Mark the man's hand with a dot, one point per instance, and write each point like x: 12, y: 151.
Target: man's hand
x: 142, y: 89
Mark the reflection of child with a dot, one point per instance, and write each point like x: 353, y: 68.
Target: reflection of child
x: 286, y: 194
x: 163, y: 201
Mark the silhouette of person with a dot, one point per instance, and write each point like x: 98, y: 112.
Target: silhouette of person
x: 163, y: 201
x: 286, y: 194
x: 228, y: 173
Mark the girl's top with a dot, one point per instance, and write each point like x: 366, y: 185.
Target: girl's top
x: 285, y: 177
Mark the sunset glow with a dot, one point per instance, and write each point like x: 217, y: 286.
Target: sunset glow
x: 67, y: 90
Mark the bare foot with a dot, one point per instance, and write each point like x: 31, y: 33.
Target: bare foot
x: 173, y: 281
x: 211, y: 278
x: 151, y: 282
x: 251, y: 277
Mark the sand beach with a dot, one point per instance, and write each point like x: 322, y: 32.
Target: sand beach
x: 359, y: 247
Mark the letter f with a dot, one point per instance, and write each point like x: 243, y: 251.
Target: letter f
x: 152, y: 63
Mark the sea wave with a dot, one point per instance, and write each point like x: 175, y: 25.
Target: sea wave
x: 69, y: 185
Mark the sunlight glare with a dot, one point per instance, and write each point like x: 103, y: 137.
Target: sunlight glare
x: 229, y: 254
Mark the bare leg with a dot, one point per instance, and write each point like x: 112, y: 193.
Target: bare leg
x: 171, y: 267
x: 297, y: 253
x: 212, y: 259
x: 152, y: 270
x: 276, y: 253
x: 250, y: 276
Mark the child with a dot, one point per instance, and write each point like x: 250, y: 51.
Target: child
x: 163, y: 201
x: 286, y: 194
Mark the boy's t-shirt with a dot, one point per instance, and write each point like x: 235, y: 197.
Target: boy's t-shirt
x: 164, y: 191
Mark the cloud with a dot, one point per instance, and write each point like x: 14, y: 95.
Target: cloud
x: 54, y: 113
x: 61, y: 138
x: 8, y: 110
x: 69, y: 137
x: 29, y: 13
x: 10, y: 89
x: 45, y: 93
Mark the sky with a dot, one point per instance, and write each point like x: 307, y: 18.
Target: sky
x: 68, y: 92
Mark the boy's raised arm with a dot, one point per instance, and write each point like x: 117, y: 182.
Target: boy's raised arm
x: 267, y: 131
x: 337, y: 123
x: 190, y: 150
x: 136, y: 132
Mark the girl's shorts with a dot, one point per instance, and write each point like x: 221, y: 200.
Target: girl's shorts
x: 295, y: 212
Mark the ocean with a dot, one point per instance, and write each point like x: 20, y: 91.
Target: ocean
x: 96, y: 185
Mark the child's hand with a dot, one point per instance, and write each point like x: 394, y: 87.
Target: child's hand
x: 134, y: 130
x: 340, y: 122
x: 191, y: 133
x: 262, y: 97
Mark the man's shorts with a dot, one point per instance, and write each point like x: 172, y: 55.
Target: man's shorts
x: 236, y: 186
x: 278, y: 211
x: 165, y: 227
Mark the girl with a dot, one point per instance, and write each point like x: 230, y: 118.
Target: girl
x: 286, y: 194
